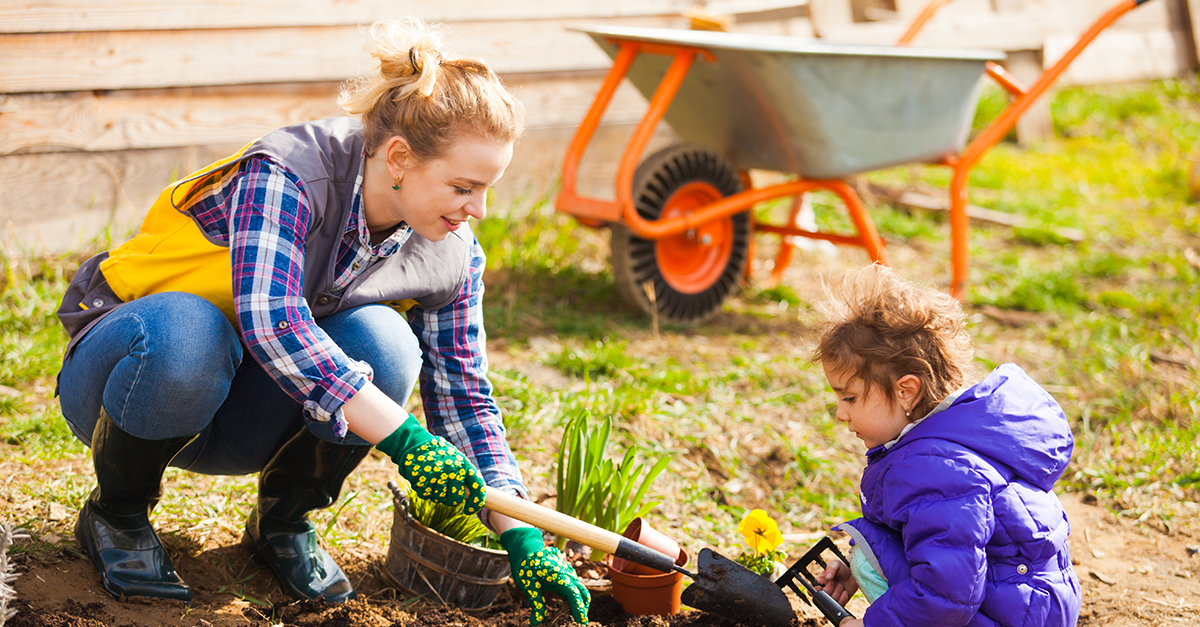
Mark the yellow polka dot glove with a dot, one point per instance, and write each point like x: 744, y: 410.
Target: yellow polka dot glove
x: 436, y: 470
x: 538, y: 569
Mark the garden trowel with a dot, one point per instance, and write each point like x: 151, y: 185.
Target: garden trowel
x: 719, y: 586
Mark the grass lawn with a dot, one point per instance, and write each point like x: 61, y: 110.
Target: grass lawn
x: 1108, y: 324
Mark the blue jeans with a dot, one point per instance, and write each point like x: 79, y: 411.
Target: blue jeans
x: 171, y: 365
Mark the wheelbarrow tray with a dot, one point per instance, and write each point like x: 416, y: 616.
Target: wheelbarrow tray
x: 821, y: 110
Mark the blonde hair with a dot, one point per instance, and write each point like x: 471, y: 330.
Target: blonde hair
x: 425, y: 97
x: 879, y: 328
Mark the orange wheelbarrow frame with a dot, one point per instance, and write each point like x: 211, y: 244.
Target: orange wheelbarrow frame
x: 596, y: 213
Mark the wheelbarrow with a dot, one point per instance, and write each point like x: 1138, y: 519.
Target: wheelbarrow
x: 682, y: 222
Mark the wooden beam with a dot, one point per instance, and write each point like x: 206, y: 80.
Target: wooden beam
x: 829, y: 15
x: 1120, y: 55
x: 60, y: 202
x: 1193, y: 10
x: 1036, y: 123
x: 926, y: 202
x: 150, y: 59
x: 169, y: 118
x: 44, y: 16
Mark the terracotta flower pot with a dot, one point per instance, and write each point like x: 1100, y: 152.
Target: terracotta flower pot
x: 641, y: 532
x: 648, y: 594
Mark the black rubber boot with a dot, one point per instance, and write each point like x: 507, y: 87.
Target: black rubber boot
x: 114, y: 523
x: 305, y: 474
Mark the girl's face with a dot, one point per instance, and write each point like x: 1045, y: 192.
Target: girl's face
x: 868, y: 414
x: 438, y: 196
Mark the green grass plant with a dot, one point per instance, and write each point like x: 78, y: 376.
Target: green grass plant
x: 595, y: 488
x: 447, y: 520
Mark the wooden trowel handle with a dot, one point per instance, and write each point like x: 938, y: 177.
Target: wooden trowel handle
x: 574, y: 529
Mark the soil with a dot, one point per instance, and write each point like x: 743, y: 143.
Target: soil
x: 1130, y: 575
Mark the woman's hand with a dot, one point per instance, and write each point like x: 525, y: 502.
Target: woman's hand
x: 435, y: 470
x: 837, y: 581
x: 851, y: 622
x: 537, y: 568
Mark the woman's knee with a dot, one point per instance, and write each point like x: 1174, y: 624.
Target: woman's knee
x: 190, y: 338
x: 161, y: 365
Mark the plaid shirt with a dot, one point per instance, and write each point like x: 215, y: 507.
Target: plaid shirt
x: 270, y: 216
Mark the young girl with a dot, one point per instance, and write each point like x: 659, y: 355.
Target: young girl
x: 960, y: 522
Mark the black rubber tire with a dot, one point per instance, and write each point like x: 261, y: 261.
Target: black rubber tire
x: 635, y: 260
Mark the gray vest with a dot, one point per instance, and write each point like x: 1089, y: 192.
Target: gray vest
x: 326, y: 155
x: 431, y: 273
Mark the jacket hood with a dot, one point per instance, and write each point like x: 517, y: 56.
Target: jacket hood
x: 1009, y: 419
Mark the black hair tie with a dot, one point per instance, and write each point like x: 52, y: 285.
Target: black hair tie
x: 412, y: 59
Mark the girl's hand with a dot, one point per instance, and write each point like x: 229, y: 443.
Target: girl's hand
x: 838, y: 583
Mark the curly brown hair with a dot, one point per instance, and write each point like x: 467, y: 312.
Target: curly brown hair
x: 879, y: 327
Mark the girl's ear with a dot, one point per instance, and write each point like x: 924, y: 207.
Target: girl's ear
x: 908, y: 390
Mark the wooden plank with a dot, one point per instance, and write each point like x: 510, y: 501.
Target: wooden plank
x: 149, y: 59
x: 57, y: 203
x: 1074, y: 16
x: 1036, y: 123
x: 801, y: 27
x: 828, y: 15
x: 925, y: 202
x: 1010, y: 6
x: 47, y: 16
x: 963, y: 25
x: 732, y: 7
x: 167, y: 118
x: 909, y: 9
x: 1193, y: 9
x: 1007, y: 32
x: 1119, y: 55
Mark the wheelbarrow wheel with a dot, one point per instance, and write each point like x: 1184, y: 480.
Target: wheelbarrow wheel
x: 684, y: 277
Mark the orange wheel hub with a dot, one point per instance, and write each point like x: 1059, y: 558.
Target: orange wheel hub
x: 692, y: 262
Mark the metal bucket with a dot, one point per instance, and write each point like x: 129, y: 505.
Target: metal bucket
x: 818, y: 109
x: 422, y: 562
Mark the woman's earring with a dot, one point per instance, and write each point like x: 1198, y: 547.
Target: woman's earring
x: 396, y: 183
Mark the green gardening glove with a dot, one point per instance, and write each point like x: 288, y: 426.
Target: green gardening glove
x: 537, y: 569
x: 436, y: 470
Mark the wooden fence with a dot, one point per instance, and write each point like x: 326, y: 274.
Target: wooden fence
x: 103, y: 102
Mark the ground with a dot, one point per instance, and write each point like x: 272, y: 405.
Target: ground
x: 1130, y: 575
x: 1132, y: 571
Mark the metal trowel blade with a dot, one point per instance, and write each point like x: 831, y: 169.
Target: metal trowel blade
x: 728, y: 589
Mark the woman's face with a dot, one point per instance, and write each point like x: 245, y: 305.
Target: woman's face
x: 868, y: 414
x: 438, y: 196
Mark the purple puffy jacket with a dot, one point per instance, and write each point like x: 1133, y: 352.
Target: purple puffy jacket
x: 960, y: 515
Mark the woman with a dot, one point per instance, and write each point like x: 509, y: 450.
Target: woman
x: 275, y: 312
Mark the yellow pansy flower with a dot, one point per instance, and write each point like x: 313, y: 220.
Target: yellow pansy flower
x: 760, y: 532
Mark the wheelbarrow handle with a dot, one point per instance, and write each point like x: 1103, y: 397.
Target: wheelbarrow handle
x: 599, y: 539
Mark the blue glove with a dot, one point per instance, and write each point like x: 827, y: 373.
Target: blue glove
x: 537, y: 569
x: 436, y: 470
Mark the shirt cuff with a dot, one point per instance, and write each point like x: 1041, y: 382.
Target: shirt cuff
x: 324, y: 403
x: 511, y: 487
